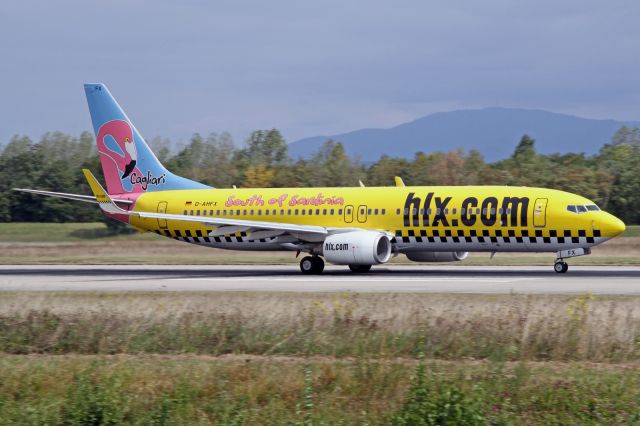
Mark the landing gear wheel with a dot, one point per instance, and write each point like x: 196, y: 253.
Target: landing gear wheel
x: 561, y: 267
x: 311, y: 265
x: 360, y: 269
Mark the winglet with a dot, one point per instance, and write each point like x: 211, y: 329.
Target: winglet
x: 399, y: 182
x: 103, y: 199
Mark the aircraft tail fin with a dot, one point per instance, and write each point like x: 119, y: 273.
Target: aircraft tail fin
x: 128, y: 164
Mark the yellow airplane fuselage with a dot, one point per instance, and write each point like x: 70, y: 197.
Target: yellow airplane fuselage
x: 427, y: 218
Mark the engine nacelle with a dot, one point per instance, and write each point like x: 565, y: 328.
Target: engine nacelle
x: 357, y: 248
x: 437, y: 256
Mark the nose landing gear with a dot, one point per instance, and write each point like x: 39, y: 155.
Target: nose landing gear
x: 561, y: 267
x: 312, y: 265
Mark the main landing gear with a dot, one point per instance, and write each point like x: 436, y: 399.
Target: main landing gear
x: 312, y: 265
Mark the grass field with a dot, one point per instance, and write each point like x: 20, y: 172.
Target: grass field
x: 260, y: 358
x: 89, y: 243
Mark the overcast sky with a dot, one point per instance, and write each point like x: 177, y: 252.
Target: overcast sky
x: 309, y: 68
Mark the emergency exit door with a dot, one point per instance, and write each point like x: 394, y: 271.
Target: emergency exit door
x: 362, y: 214
x: 540, y: 213
x: 162, y: 208
x: 348, y: 214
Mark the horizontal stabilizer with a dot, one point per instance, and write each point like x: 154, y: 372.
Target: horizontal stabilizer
x: 74, y: 197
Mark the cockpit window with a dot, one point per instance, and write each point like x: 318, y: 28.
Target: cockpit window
x: 583, y: 209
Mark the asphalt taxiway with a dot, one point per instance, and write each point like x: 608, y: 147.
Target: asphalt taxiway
x: 287, y: 278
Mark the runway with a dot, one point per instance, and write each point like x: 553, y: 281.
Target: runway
x: 287, y: 278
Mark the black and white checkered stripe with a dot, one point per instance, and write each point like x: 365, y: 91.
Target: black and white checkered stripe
x: 203, y: 237
x: 495, y: 236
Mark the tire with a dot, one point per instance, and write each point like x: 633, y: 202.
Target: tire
x: 307, y: 265
x: 311, y: 265
x: 360, y: 269
x: 318, y: 265
x: 561, y: 267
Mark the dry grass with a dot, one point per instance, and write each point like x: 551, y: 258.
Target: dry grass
x: 376, y: 325
x: 24, y: 243
x: 620, y: 251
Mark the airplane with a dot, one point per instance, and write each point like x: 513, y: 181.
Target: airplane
x: 357, y: 227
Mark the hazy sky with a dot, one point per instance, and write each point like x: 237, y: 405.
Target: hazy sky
x: 309, y: 68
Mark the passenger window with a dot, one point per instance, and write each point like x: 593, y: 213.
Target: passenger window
x: 421, y: 211
x: 191, y: 212
x: 266, y: 212
x: 437, y: 211
x: 446, y: 211
x: 197, y: 212
x: 462, y: 212
x: 493, y: 211
x: 500, y: 211
x: 324, y: 212
x: 204, y: 212
x: 230, y: 212
x: 339, y: 212
x: 454, y: 211
x: 289, y: 212
x: 508, y: 211
x: 397, y: 211
x: 252, y: 211
x: 303, y: 212
x: 478, y: 210
x: 375, y: 212
x: 406, y: 211
x: 217, y: 212
x: 274, y: 212
x: 210, y: 212
x: 317, y: 212
x: 369, y: 211
x: 244, y: 212
x: 259, y: 212
x: 224, y: 213
x: 484, y: 211
x: 332, y: 212
x: 310, y: 212
x: 429, y: 211
x: 282, y: 212
x: 185, y: 213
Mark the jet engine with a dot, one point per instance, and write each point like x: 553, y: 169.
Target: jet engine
x: 437, y: 256
x: 357, y: 248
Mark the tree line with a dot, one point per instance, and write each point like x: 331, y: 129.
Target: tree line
x: 611, y: 177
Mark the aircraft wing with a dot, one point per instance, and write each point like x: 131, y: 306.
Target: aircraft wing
x: 225, y: 226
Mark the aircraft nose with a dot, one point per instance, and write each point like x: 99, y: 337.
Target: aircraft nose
x: 612, y: 226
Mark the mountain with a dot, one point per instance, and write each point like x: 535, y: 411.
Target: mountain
x: 495, y: 132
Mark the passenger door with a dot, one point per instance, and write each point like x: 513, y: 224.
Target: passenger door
x: 162, y: 208
x: 540, y: 213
